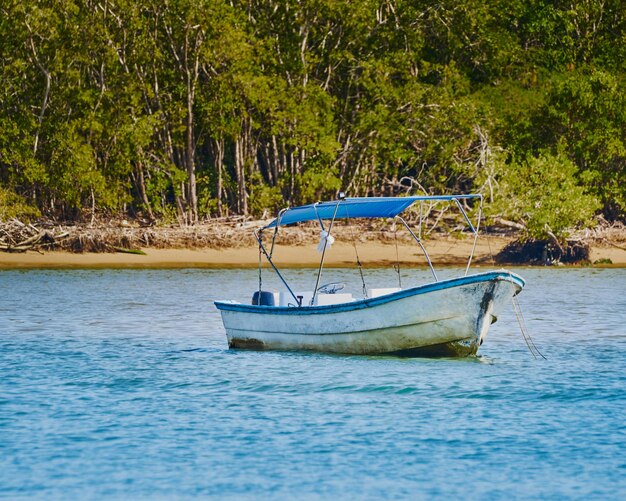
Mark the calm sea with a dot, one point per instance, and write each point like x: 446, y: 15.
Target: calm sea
x: 118, y: 384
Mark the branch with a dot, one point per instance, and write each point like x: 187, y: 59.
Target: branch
x: 44, y: 104
x: 510, y: 224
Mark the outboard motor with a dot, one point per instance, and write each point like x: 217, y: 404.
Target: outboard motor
x: 263, y: 298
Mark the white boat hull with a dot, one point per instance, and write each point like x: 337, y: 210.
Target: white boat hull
x: 448, y: 318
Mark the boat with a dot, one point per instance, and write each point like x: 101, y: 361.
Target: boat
x: 441, y: 318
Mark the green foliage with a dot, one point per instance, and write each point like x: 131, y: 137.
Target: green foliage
x: 162, y: 187
x: 15, y: 206
x: 318, y: 183
x: 586, y: 114
x: 264, y: 200
x: 184, y: 109
x: 544, y: 194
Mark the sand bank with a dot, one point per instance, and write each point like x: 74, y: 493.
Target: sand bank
x: 443, y: 251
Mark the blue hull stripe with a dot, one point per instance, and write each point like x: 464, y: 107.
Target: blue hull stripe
x: 375, y: 301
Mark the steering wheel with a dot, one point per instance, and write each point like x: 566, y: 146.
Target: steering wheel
x: 331, y: 287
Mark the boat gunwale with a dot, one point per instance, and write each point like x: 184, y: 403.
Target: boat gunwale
x: 374, y: 301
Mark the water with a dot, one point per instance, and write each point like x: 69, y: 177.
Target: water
x: 118, y: 384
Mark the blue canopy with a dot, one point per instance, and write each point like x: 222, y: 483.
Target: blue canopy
x: 367, y: 207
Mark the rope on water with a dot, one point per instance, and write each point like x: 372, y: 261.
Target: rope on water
x: 525, y: 334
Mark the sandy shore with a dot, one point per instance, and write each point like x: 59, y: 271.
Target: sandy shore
x: 444, y: 252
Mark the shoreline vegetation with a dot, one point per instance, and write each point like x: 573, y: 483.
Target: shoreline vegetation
x: 212, y: 115
x: 190, y: 112
x: 229, y: 242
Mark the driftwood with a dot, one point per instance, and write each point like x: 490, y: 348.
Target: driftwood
x: 16, y: 236
x: 122, y: 236
x: 509, y: 224
x: 227, y: 233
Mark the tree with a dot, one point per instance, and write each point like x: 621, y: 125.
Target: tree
x: 544, y: 194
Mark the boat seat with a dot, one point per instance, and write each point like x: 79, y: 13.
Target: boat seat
x: 286, y: 299
x: 382, y: 291
x: 326, y: 299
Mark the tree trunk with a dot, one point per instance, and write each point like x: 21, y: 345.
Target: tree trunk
x: 276, y: 165
x: 292, y: 180
x: 46, y: 94
x: 141, y: 187
x: 192, y: 193
x: 240, y: 171
x: 219, y: 166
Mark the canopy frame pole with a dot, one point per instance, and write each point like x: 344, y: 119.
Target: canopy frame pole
x: 397, y: 266
x: 473, y: 228
x: 319, y: 272
x: 419, y: 228
x: 430, y: 264
x: 260, y: 239
x: 280, y: 215
x: 318, y: 216
x: 458, y: 204
x: 269, y: 260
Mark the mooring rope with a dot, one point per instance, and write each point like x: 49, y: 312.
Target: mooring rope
x: 525, y: 334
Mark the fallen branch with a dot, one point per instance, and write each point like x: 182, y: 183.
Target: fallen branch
x: 19, y: 237
x: 509, y: 224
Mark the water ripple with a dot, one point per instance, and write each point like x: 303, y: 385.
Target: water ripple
x: 119, y: 384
